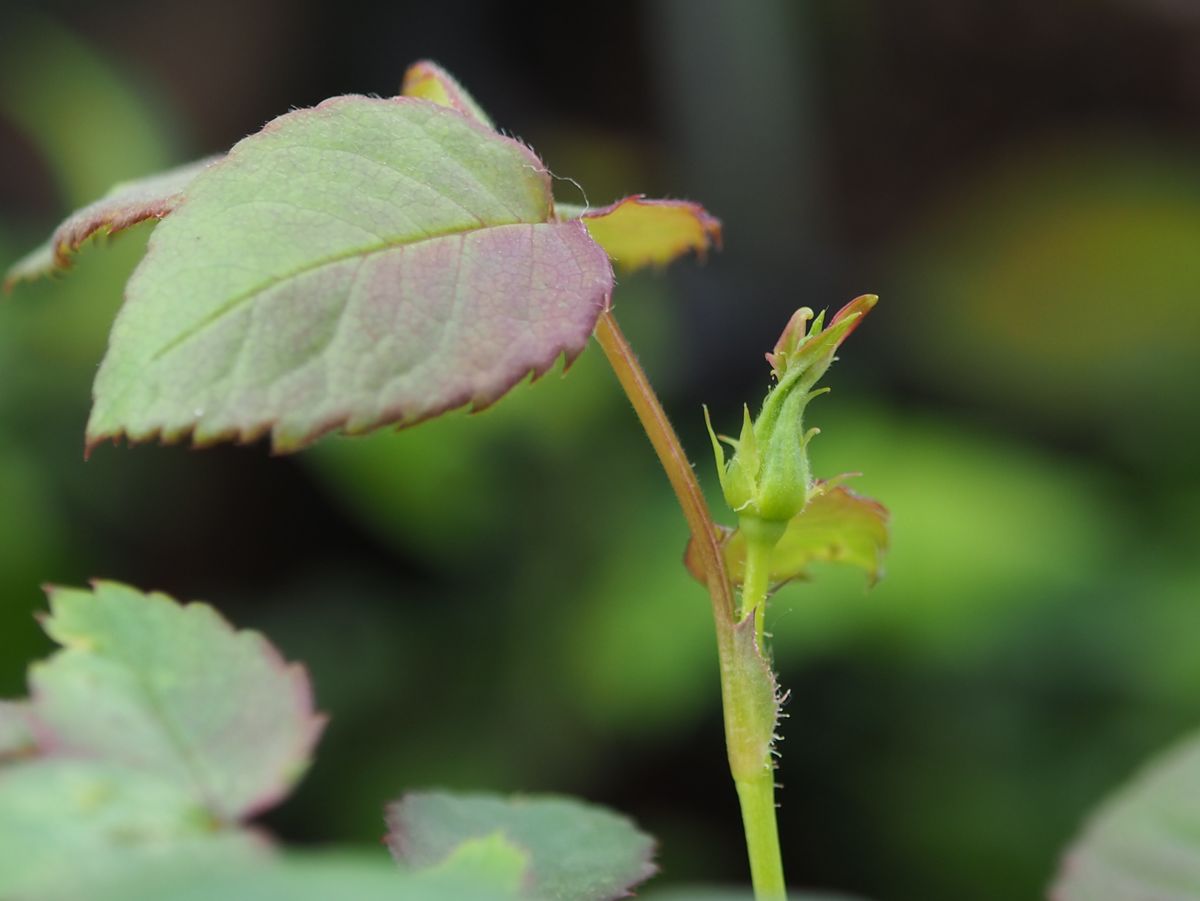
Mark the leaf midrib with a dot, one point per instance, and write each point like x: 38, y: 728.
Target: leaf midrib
x: 238, y: 300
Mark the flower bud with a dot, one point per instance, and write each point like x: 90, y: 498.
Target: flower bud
x: 767, y: 481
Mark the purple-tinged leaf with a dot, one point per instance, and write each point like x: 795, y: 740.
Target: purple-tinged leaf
x: 362, y: 263
x: 173, y: 691
x: 577, y: 852
x: 637, y: 232
x: 16, y: 730
x: 127, y: 204
x: 1144, y: 842
x: 836, y: 525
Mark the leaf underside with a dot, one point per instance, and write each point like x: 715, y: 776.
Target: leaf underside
x: 361, y: 263
x: 577, y: 852
x: 1144, y: 843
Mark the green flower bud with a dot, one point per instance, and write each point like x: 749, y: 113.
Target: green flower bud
x: 768, y: 481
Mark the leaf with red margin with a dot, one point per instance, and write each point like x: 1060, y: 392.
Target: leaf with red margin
x: 16, y: 730
x: 836, y: 525
x: 127, y: 204
x: 173, y: 691
x: 429, y: 81
x: 362, y: 263
x: 577, y: 851
x: 636, y: 232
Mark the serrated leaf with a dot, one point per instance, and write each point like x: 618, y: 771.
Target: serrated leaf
x: 837, y: 526
x: 66, y: 825
x: 125, y: 205
x: 174, y: 691
x: 16, y: 730
x: 361, y: 263
x: 429, y: 81
x: 1144, y: 843
x: 578, y: 852
x: 637, y: 232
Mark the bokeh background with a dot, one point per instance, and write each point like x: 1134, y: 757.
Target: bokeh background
x: 496, y: 601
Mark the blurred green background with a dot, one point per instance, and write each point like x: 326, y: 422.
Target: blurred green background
x: 497, y: 601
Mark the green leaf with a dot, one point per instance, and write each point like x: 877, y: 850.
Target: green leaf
x: 310, y: 877
x: 361, y: 263
x: 125, y: 205
x: 16, y: 730
x: 1144, y: 843
x: 637, y: 232
x: 173, y: 691
x: 579, y: 852
x: 836, y: 526
x: 67, y: 824
x: 723, y: 894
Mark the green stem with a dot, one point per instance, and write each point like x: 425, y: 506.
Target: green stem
x: 761, y: 537
x: 756, y: 787
x: 757, y: 797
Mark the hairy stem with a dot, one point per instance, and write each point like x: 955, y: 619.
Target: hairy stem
x: 755, y: 789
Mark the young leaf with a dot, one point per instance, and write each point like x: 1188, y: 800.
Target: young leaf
x: 66, y: 825
x: 837, y: 525
x: 127, y: 204
x: 429, y: 81
x: 173, y: 691
x: 16, y: 730
x: 1144, y: 843
x: 636, y: 232
x: 361, y: 263
x: 578, y: 852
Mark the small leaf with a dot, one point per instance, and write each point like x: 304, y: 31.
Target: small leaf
x: 125, y: 205
x: 16, y: 730
x: 637, y: 232
x: 837, y: 525
x: 579, y: 852
x: 429, y: 81
x: 67, y: 824
x: 174, y: 691
x: 1144, y: 843
x: 362, y: 263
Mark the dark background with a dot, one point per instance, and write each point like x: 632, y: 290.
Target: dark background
x: 497, y: 602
